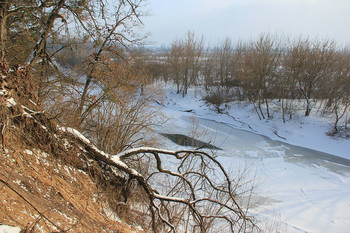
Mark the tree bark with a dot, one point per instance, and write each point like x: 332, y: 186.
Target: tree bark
x: 3, y: 29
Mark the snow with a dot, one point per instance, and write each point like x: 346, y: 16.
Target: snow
x: 302, y: 176
x: 75, y: 133
x: 11, y: 102
x: 9, y: 229
x: 309, y: 132
x: 139, y: 150
x: 2, y: 92
x: 114, y: 158
x: 81, y: 137
x: 33, y: 102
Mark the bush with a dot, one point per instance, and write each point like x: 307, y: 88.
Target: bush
x: 216, y: 98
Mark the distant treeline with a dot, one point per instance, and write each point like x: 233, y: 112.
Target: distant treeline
x: 269, y: 68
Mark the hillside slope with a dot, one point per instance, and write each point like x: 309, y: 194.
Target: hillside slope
x: 47, y: 184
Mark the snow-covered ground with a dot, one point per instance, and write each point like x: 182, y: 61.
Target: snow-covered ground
x: 302, y: 176
x: 9, y: 229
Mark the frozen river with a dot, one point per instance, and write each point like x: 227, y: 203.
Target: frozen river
x: 250, y: 145
x: 301, y: 190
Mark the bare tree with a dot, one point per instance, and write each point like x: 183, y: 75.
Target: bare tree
x: 208, y: 69
x: 126, y: 111
x: 184, y: 59
x: 308, y: 62
x: 259, y: 70
x: 337, y: 95
x: 286, y: 87
x: 224, y: 54
x: 37, y: 28
x: 107, y: 30
x: 175, y: 64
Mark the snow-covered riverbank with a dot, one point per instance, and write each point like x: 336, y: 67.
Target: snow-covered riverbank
x: 297, y: 189
x: 309, y: 132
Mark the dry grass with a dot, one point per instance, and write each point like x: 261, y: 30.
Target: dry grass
x: 41, y: 193
x: 46, y: 183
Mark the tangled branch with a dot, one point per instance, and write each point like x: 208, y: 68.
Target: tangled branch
x: 195, y: 184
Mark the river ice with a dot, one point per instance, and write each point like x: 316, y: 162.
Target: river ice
x: 297, y: 189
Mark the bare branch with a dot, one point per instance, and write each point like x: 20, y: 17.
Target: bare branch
x: 45, y: 33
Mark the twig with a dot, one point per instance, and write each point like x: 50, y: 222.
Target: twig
x: 3, y: 128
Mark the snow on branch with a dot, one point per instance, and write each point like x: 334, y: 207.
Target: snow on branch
x: 191, y: 186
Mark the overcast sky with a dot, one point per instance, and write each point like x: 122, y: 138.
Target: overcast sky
x: 246, y: 19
